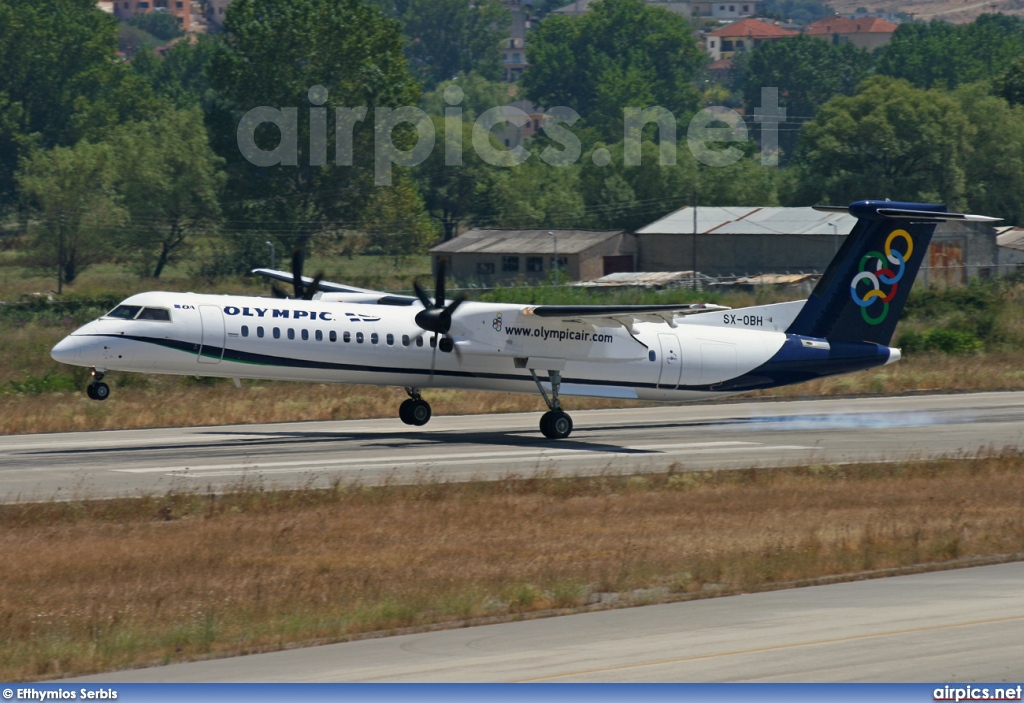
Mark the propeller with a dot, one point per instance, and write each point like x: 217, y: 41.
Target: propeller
x: 436, y: 317
x: 302, y: 291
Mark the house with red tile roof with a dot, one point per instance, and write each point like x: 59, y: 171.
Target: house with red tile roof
x: 866, y: 32
x: 743, y: 36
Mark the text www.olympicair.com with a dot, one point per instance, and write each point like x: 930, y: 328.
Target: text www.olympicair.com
x: 558, y: 335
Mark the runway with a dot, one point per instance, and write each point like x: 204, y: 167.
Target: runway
x: 691, y: 437
x: 943, y: 627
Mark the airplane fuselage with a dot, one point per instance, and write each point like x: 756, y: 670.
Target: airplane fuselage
x: 328, y: 341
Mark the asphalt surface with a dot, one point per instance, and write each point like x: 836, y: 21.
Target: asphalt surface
x: 708, y: 436
x: 943, y: 627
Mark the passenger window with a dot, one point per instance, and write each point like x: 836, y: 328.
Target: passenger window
x: 405, y: 340
x: 277, y: 333
x: 374, y: 338
x: 319, y: 336
x: 391, y: 340
x: 305, y: 335
x: 333, y: 336
x: 155, y: 314
x: 291, y: 333
x: 419, y: 341
x: 259, y: 332
x: 359, y: 337
x: 125, y: 312
x: 652, y: 356
x: 245, y: 330
x: 348, y: 337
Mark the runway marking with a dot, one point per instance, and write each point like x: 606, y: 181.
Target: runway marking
x: 775, y: 648
x: 454, y: 459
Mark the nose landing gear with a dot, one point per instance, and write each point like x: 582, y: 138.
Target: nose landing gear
x: 555, y: 423
x: 97, y: 390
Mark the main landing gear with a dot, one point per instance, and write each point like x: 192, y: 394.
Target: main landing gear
x: 97, y: 390
x: 556, y: 423
x: 415, y: 410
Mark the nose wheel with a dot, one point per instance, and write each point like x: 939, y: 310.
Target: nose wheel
x: 555, y: 423
x: 415, y: 410
x: 97, y: 389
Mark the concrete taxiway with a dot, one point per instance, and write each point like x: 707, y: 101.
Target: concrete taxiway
x: 948, y: 626
x: 698, y: 436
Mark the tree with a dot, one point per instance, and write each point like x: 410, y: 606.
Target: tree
x: 889, y: 140
x: 72, y: 191
x: 182, y: 76
x: 275, y: 55
x: 479, y: 95
x: 396, y: 223
x: 446, y: 37
x: 162, y: 25
x: 61, y: 82
x: 622, y: 53
x: 170, y: 180
x: 533, y: 195
x: 808, y: 72
x: 798, y: 11
x: 941, y: 55
x: 995, y: 167
x: 1010, y: 84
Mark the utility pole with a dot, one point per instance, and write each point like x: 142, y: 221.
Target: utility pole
x: 554, y: 238
x: 60, y: 255
x: 694, y: 252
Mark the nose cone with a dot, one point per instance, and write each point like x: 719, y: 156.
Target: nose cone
x: 66, y: 351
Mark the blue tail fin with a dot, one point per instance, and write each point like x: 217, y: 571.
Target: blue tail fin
x: 861, y: 295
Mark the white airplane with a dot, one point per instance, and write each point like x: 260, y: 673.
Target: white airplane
x: 643, y: 352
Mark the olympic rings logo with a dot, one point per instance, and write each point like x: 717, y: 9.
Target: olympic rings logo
x: 496, y: 322
x: 889, y: 269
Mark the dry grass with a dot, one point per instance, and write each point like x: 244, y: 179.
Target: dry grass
x: 97, y: 586
x: 139, y: 401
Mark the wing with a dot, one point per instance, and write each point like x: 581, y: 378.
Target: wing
x: 354, y: 295
x: 625, y: 315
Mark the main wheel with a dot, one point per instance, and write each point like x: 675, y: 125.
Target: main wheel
x: 414, y: 412
x: 98, y: 391
x: 405, y: 411
x: 555, y: 424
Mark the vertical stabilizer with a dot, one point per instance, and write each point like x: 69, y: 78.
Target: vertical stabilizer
x: 861, y: 295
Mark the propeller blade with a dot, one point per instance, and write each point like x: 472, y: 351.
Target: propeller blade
x: 313, y: 287
x: 452, y: 306
x: 297, y: 273
x: 422, y: 295
x: 433, y: 357
x: 439, y: 286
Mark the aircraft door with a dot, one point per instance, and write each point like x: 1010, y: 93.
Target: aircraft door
x: 212, y: 349
x: 671, y: 363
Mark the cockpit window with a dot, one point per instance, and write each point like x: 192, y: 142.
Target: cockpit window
x: 125, y: 312
x: 137, y: 312
x: 154, y: 314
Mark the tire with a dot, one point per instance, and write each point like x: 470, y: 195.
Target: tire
x: 556, y: 424
x: 419, y: 412
x: 99, y: 391
x: 405, y: 412
x: 91, y: 392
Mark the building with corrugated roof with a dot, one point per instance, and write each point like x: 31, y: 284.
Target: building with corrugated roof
x: 502, y: 256
x: 749, y: 241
